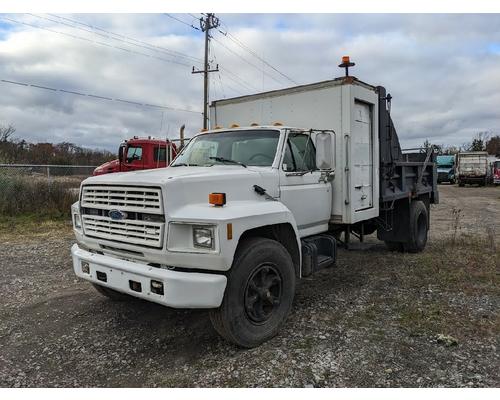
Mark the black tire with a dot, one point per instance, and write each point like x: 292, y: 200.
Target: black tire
x: 419, y: 227
x: 113, y: 294
x: 241, y: 319
x: 461, y: 184
x: 394, y: 246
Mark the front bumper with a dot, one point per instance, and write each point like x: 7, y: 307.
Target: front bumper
x: 181, y: 289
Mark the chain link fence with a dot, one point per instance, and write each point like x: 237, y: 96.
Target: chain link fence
x: 40, y: 189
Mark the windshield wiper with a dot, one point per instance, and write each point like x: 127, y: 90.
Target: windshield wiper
x: 184, y: 165
x: 222, y: 159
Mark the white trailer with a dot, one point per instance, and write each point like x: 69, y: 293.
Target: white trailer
x: 244, y: 211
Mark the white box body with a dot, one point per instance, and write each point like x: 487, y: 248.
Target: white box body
x: 350, y: 109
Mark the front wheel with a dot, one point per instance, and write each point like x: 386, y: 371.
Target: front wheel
x: 259, y: 293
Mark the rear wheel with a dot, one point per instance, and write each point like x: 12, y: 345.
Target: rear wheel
x: 113, y: 294
x: 259, y: 293
x: 419, y: 227
x: 394, y: 246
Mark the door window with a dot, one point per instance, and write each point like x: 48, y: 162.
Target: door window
x: 134, y: 153
x: 160, y: 154
x: 300, y: 153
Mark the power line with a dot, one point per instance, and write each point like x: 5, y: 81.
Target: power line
x: 182, y: 22
x: 248, y: 62
x: 218, y: 74
x: 95, y: 42
x: 237, y: 80
x: 139, y: 43
x: 252, y: 52
x: 95, y: 96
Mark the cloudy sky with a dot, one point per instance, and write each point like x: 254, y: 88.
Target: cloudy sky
x: 443, y: 71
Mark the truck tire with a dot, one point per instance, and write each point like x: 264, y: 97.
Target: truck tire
x: 394, y: 246
x: 259, y: 293
x: 419, y: 227
x: 461, y: 184
x: 113, y: 294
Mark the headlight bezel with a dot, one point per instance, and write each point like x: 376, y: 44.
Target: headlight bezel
x: 77, y: 221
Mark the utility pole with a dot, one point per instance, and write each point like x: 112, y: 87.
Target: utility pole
x: 209, y: 22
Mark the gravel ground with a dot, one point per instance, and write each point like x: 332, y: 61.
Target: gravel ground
x: 376, y: 319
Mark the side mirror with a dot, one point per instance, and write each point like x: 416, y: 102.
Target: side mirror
x: 121, y: 152
x: 325, y: 150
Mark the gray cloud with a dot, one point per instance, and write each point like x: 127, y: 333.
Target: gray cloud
x: 442, y: 70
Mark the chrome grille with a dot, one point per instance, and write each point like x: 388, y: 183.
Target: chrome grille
x: 124, y: 198
x: 128, y: 231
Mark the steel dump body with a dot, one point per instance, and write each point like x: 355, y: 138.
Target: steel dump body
x: 472, y: 167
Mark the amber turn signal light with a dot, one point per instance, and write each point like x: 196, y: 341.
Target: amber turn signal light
x: 217, y: 199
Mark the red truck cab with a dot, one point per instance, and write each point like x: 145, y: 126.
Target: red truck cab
x: 496, y: 172
x: 140, y: 153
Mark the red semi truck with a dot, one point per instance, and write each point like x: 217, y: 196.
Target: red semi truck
x: 140, y: 153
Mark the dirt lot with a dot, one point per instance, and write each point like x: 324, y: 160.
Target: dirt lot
x: 375, y: 319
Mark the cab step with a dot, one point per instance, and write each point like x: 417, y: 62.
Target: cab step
x: 318, y: 252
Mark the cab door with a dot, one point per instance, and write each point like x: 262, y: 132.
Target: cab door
x: 302, y: 190
x: 134, y: 158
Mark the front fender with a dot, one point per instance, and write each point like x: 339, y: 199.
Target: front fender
x: 243, y: 215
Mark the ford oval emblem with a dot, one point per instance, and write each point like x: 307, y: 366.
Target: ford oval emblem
x: 117, y: 215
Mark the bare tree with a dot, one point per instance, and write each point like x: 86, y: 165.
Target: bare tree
x: 6, y: 132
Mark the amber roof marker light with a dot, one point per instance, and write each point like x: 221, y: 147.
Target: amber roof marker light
x: 217, y: 199
x: 346, y: 63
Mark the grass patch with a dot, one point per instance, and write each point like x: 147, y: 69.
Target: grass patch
x: 25, y: 195
x: 447, y: 289
x: 32, y: 225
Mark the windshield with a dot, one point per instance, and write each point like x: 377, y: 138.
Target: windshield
x: 248, y: 147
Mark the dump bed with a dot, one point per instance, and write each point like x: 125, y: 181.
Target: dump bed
x: 472, y: 164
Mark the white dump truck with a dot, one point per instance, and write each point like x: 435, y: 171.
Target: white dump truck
x: 251, y: 206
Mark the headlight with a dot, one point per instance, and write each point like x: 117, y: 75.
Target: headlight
x: 77, y: 221
x: 203, y: 237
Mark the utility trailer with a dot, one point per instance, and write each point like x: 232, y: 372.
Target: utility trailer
x: 245, y: 211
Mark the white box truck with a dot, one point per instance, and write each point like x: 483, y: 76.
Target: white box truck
x: 250, y: 206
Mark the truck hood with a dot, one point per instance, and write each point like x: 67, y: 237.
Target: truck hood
x: 445, y: 169
x: 188, y: 185
x: 110, y: 166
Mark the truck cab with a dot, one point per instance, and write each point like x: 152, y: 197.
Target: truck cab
x: 446, y: 168
x: 243, y: 212
x: 496, y: 172
x: 140, y: 153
